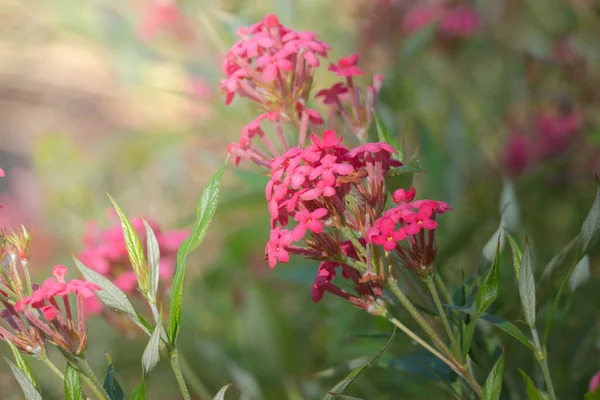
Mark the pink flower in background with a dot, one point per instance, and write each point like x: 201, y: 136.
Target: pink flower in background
x: 460, y: 22
x: 105, y: 252
x: 164, y: 15
x: 517, y: 154
x: 418, y: 17
x: 556, y: 132
x: 595, y: 382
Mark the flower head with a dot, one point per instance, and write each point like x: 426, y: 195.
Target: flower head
x: 346, y: 67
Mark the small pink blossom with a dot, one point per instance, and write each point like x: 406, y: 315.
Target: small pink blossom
x: 346, y: 67
x: 385, y: 234
x: 420, y: 220
x: 402, y: 196
x: 595, y: 382
x: 329, y: 169
x: 276, y: 248
x: 460, y: 22
x: 308, y: 221
x: 332, y: 95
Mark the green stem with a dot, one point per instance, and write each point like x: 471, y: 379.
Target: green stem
x: 195, y: 383
x: 436, y: 299
x: 393, y: 285
x: 52, y: 367
x: 456, y: 366
x: 542, y: 357
x: 179, y: 375
x: 445, y: 294
x: 89, y: 376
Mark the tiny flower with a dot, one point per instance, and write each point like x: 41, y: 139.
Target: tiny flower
x: 386, y: 235
x: 594, y: 382
x: 332, y: 95
x: 330, y: 140
x: 49, y: 312
x: 329, y: 169
x: 308, y: 221
x: 420, y: 220
x: 402, y: 196
x: 273, y: 65
x: 346, y: 67
x: 276, y: 251
x: 460, y: 22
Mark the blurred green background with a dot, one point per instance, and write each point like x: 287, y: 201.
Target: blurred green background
x: 103, y: 96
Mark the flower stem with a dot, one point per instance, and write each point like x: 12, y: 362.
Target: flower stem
x: 179, y: 375
x: 88, y: 375
x: 542, y: 357
x: 436, y: 299
x: 456, y: 365
x: 52, y: 367
x: 195, y: 383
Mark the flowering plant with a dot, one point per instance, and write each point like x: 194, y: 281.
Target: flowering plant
x: 339, y: 193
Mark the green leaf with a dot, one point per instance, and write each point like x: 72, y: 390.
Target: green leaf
x: 559, y: 259
x: 590, y: 230
x: 527, y: 288
x: 344, y: 397
x: 153, y: 252
x: 493, y: 383
x: 134, y: 248
x: 416, y: 43
x: 151, y: 354
x: 111, y: 385
x: 111, y: 295
x: 73, y: 389
x: 384, y: 135
x: 206, y: 209
x: 495, y: 244
x: 499, y: 322
x: 509, y: 207
x: 532, y: 391
x: 488, y: 291
x: 29, y: 390
x: 580, y: 274
x: 592, y: 395
x: 343, y: 385
x: 221, y: 394
x: 139, y: 393
x: 517, y: 253
x: 413, y: 166
x: 21, y: 363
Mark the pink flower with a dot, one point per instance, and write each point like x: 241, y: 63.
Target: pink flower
x: 49, y: 312
x: 127, y: 281
x: 420, y: 220
x: 460, y: 22
x: 346, y: 66
x: 595, y: 382
x: 324, y: 277
x: 272, y: 65
x: 332, y: 95
x: 276, y: 251
x: 330, y: 140
x: 385, y: 234
x: 418, y: 17
x: 402, y: 196
x: 517, y: 154
x: 164, y: 15
x: 308, y: 221
x: 328, y: 170
x: 313, y: 115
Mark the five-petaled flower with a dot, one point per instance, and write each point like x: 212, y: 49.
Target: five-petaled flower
x: 346, y: 67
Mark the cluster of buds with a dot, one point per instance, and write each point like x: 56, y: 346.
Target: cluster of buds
x: 554, y: 133
x: 105, y: 251
x: 334, y: 196
x: 32, y: 311
x: 454, y: 21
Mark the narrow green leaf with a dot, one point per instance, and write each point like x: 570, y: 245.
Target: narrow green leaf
x: 499, y: 322
x: 21, y: 363
x: 493, y: 383
x: 134, y: 248
x: 206, y: 209
x: 73, y: 389
x: 495, y: 244
x: 344, y: 397
x: 590, y: 230
x: 384, y: 135
x: 343, y: 385
x: 559, y: 259
x: 592, y: 395
x: 488, y: 291
x: 527, y: 288
x: 413, y: 166
x: 509, y: 207
x: 139, y: 393
x: 221, y: 394
x: 29, y: 390
x: 517, y: 253
x: 580, y: 274
x: 153, y: 252
x: 532, y: 392
x: 111, y: 385
x: 111, y: 295
x: 151, y: 354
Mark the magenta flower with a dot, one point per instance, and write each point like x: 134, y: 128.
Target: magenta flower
x: 273, y: 65
x: 402, y: 196
x: 418, y: 17
x: 420, y: 220
x: 308, y: 221
x: 276, y: 248
x: 460, y: 22
x: 330, y: 140
x: 386, y: 235
x: 329, y: 169
x: 332, y: 95
x: 346, y: 67
x: 595, y: 382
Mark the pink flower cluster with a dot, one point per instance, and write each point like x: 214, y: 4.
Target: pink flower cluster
x: 105, y: 252
x: 455, y: 21
x: 595, y: 382
x: 554, y: 134
x: 269, y: 57
x: 165, y: 16
x: 59, y: 326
